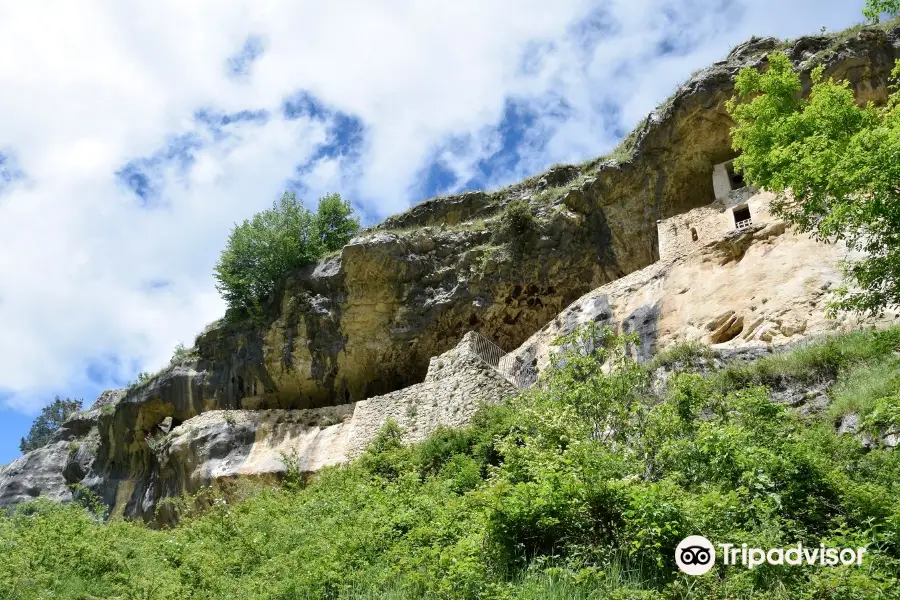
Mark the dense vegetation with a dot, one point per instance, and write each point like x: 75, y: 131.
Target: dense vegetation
x: 579, y: 489
x: 262, y: 250
x: 48, y: 422
x: 838, y: 163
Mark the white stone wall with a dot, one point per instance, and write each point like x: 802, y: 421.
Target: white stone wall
x: 676, y: 234
x: 712, y: 222
x: 721, y: 181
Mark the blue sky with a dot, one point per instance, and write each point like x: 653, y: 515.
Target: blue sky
x: 133, y: 136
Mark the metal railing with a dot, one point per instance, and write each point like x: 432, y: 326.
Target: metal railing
x: 487, y: 350
x: 741, y: 225
x: 512, y: 368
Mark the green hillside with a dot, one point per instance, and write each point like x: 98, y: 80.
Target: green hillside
x: 554, y: 495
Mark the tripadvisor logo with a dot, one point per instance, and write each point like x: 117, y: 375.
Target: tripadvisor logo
x: 696, y: 555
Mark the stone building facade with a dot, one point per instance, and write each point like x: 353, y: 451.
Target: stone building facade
x: 736, y: 207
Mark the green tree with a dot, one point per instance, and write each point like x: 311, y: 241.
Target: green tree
x: 48, y: 422
x: 263, y: 249
x: 334, y: 222
x: 875, y: 8
x: 834, y: 165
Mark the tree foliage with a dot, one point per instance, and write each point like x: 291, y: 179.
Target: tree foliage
x: 834, y: 164
x: 263, y: 249
x: 48, y: 422
x: 875, y: 8
x: 334, y: 223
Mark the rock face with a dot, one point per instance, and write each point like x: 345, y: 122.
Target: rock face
x: 222, y: 445
x: 762, y: 285
x: 38, y: 473
x: 360, y: 325
x: 367, y: 321
x: 68, y: 458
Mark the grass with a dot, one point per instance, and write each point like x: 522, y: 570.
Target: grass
x: 862, y: 387
x: 840, y: 37
x: 548, y: 195
x: 816, y: 361
x: 685, y: 354
x: 470, y: 225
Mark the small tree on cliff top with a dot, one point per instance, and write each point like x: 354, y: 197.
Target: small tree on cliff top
x: 334, y: 222
x: 838, y: 161
x: 265, y: 248
x: 48, y: 422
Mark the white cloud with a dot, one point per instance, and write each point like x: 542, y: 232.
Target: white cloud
x: 90, y: 86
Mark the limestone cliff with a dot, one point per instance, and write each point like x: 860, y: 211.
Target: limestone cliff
x: 367, y: 321
x: 763, y: 285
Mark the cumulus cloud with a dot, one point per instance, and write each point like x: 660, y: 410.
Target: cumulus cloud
x: 133, y: 135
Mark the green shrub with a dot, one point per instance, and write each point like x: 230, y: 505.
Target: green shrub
x: 516, y: 226
x: 182, y: 354
x: 140, y: 379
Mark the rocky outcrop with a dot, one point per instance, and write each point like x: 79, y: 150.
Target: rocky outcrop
x: 760, y: 286
x: 224, y: 445
x: 52, y: 470
x: 366, y: 322
x: 38, y: 473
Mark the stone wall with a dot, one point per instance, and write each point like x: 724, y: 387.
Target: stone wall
x: 682, y: 234
x: 224, y: 445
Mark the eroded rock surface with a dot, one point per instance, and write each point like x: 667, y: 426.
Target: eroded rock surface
x: 764, y: 285
x: 224, y: 445
x: 37, y: 473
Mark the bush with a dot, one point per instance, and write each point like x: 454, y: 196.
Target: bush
x: 517, y: 225
x: 182, y: 354
x: 141, y: 378
x: 262, y: 250
x: 48, y: 422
